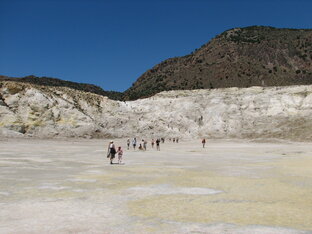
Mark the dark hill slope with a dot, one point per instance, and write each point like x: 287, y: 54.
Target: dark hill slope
x: 240, y: 57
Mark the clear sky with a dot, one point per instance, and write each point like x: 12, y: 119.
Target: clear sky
x: 111, y: 43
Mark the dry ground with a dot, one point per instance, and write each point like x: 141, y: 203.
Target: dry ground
x: 55, y: 186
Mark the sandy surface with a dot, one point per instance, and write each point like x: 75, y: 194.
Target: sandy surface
x: 54, y: 186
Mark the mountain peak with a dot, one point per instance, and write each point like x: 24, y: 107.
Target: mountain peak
x: 239, y: 57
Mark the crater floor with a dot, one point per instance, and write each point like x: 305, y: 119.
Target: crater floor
x: 231, y: 186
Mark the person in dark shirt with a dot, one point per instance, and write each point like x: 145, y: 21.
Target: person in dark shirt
x: 157, y: 144
x: 204, y: 142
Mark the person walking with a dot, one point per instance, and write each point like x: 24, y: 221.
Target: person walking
x: 204, y: 142
x: 119, y: 153
x: 128, y: 143
x: 144, y: 144
x: 111, y: 152
x: 153, y: 143
x: 157, y: 144
x: 134, y: 142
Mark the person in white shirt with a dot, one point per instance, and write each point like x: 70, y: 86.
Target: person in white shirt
x: 134, y: 142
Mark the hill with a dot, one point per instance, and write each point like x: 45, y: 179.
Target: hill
x: 54, y: 82
x: 240, y: 57
x: 29, y: 110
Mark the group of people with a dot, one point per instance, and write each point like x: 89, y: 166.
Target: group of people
x: 112, y: 152
x: 142, y: 146
x: 174, y: 140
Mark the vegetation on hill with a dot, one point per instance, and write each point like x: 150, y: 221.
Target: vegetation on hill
x: 240, y: 57
x: 46, y: 81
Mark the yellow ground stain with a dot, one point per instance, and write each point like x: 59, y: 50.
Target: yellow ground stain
x: 280, y: 199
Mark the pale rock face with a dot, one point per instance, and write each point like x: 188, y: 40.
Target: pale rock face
x: 256, y: 112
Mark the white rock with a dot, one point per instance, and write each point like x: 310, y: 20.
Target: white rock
x: 283, y: 112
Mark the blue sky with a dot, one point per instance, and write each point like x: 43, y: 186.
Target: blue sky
x: 111, y: 43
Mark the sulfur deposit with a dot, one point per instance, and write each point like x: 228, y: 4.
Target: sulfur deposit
x: 45, y: 111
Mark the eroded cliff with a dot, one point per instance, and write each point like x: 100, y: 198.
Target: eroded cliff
x: 256, y: 112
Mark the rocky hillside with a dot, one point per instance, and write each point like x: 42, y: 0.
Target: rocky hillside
x: 54, y: 82
x: 48, y: 111
x: 241, y: 57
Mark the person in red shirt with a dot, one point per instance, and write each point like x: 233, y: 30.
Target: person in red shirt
x: 119, y: 153
x: 204, y: 142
